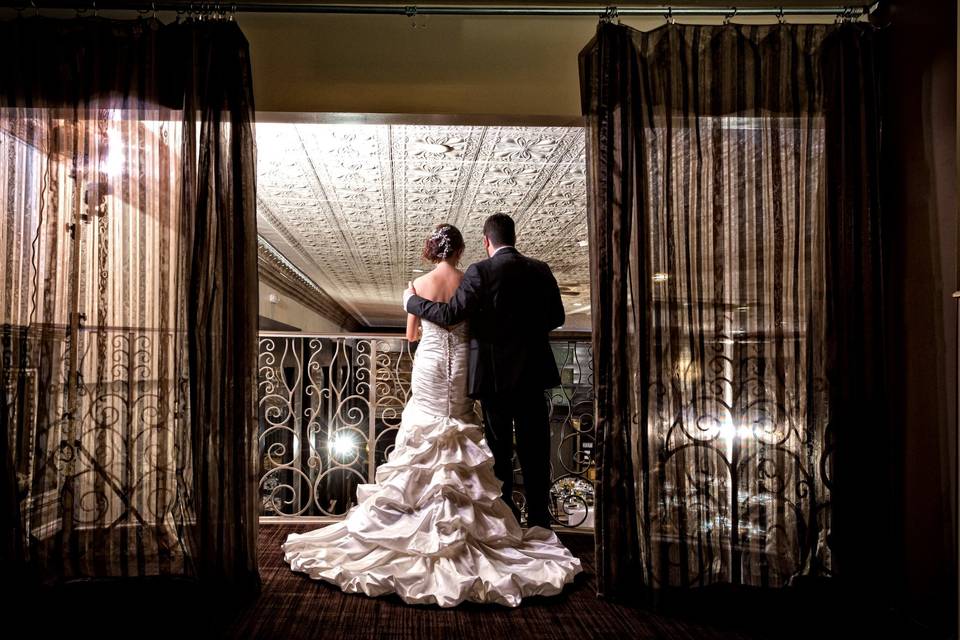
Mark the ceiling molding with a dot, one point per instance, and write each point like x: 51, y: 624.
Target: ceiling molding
x: 434, y: 119
x: 284, y: 276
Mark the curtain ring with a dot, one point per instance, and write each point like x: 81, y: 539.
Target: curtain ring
x: 153, y: 7
x: 730, y: 16
x: 411, y: 12
x: 36, y: 9
x: 780, y: 17
x: 669, y: 16
x: 95, y: 12
x: 233, y: 12
x: 610, y: 14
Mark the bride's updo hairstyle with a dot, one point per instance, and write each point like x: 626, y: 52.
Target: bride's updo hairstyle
x: 445, y: 242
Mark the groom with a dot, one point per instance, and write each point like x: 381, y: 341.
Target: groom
x: 512, y: 303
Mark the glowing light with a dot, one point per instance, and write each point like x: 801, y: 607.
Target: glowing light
x: 661, y: 276
x: 113, y: 165
x: 729, y: 432
x: 343, y: 446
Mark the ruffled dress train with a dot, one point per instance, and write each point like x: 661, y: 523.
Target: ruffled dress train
x: 433, y: 529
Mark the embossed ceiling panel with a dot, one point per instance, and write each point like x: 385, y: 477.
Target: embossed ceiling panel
x: 351, y: 205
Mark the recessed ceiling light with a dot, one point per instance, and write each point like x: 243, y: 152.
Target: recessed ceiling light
x: 431, y: 147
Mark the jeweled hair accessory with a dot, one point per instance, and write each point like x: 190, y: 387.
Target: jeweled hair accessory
x: 442, y: 240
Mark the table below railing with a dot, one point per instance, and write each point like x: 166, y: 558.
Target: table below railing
x: 330, y: 407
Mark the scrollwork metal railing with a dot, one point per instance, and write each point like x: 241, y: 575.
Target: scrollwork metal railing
x: 330, y: 408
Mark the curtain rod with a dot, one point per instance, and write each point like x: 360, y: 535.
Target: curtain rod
x: 92, y: 6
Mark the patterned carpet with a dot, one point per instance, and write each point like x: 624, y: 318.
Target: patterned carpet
x: 293, y: 606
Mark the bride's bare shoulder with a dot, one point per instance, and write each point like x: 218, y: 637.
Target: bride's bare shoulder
x: 421, y: 280
x: 426, y: 285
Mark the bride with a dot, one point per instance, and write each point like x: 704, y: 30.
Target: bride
x: 434, y: 529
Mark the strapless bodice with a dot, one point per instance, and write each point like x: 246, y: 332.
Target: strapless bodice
x: 440, y: 371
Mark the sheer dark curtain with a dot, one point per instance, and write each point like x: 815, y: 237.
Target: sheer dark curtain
x: 735, y: 255
x: 128, y: 299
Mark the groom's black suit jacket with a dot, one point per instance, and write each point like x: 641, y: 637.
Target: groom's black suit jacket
x: 512, y: 303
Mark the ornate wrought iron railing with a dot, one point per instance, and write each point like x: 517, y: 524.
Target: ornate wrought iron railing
x: 330, y: 408
x: 95, y: 424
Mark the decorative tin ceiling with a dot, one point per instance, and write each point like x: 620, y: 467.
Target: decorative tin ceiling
x: 351, y: 205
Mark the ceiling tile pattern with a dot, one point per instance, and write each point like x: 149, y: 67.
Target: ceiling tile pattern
x: 351, y: 205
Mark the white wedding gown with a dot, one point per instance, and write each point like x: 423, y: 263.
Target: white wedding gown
x: 433, y: 528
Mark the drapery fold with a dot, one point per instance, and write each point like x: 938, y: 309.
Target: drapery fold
x: 127, y: 160
x: 860, y: 435
x: 735, y: 254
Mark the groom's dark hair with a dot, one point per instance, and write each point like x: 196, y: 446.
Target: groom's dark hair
x: 499, y: 230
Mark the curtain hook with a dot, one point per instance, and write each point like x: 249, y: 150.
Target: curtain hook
x: 780, y: 17
x: 95, y: 12
x: 610, y: 14
x: 730, y: 16
x: 36, y: 9
x: 153, y: 7
x: 411, y: 12
x: 669, y: 16
x: 233, y: 12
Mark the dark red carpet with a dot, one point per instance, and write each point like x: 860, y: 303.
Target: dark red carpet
x: 293, y: 606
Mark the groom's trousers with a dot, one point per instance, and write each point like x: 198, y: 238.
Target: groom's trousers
x: 526, y: 413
